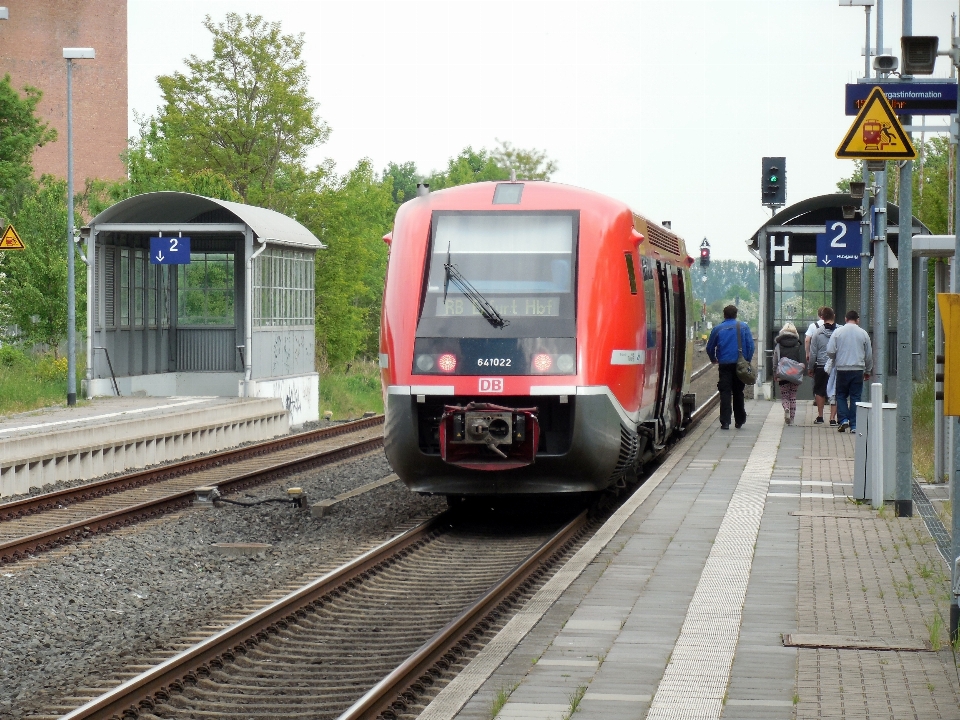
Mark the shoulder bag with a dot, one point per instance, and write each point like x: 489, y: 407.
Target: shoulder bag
x: 745, y: 371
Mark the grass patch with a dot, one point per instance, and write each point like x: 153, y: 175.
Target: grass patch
x: 351, y: 392
x: 29, y: 382
x: 503, y: 694
x: 923, y: 397
x: 935, y: 630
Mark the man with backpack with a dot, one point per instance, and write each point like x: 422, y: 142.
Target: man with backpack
x: 852, y: 354
x: 817, y: 361
x: 724, y: 347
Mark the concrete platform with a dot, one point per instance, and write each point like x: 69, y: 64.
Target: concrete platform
x: 112, y: 435
x: 679, y: 606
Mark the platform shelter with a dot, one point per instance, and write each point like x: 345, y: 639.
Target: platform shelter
x: 236, y: 320
x: 793, y: 286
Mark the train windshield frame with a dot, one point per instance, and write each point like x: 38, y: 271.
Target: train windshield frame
x: 523, y: 262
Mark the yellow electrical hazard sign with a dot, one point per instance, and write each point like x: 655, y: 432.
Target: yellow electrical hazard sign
x: 11, y: 241
x: 876, y: 133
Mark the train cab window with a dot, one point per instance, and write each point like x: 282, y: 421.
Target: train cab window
x: 523, y: 267
x: 507, y: 194
x: 631, y: 273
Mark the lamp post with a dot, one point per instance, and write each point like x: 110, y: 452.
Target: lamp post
x: 71, y: 54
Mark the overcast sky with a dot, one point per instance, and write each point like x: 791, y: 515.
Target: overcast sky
x: 666, y: 105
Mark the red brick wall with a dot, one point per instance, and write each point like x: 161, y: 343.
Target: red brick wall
x: 31, y: 51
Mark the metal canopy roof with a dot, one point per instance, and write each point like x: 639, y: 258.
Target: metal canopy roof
x: 171, y: 211
x: 819, y: 210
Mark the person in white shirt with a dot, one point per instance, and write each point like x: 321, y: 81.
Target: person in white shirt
x: 811, y: 331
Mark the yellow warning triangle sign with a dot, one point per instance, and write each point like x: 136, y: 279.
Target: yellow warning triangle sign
x: 876, y: 133
x: 11, y: 241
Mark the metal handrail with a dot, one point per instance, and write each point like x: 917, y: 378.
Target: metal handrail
x: 110, y: 365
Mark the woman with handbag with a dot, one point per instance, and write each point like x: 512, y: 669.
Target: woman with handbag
x: 789, y: 357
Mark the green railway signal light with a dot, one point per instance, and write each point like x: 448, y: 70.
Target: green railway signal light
x: 773, y: 186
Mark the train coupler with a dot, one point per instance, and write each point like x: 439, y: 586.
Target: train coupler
x: 483, y: 436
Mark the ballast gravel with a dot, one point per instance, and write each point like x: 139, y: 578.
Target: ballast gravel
x: 70, y: 620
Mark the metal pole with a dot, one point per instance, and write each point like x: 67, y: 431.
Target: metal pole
x: 955, y: 424
x: 763, y: 320
x: 879, y: 29
x: 71, y: 299
x: 866, y: 55
x: 875, y: 447
x: 865, y: 234
x: 941, y: 455
x: 880, y: 288
x: 903, y: 497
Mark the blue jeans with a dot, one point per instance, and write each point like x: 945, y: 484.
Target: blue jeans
x: 849, y: 389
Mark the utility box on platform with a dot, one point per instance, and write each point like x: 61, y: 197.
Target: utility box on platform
x: 861, y: 483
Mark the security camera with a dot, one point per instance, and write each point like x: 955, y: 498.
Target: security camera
x: 857, y: 189
x: 849, y: 212
x: 886, y: 63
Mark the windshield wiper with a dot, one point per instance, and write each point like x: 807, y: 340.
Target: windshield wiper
x: 482, y: 305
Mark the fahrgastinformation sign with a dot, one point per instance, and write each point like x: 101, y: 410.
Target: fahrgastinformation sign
x: 876, y: 133
x: 10, y: 240
x: 840, y: 245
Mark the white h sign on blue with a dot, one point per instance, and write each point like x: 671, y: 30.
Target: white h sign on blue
x: 169, y: 251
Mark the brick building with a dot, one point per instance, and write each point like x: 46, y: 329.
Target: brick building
x: 31, y: 52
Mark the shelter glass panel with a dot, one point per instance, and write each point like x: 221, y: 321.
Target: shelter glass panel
x: 124, y: 287
x: 139, y: 257
x: 283, y: 288
x: 205, y: 290
x: 799, y: 290
x: 152, y: 294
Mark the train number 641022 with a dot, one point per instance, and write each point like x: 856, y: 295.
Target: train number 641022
x: 494, y: 362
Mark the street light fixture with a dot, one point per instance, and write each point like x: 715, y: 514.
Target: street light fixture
x: 71, y: 54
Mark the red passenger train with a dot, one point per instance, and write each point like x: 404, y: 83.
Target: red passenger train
x: 535, y: 338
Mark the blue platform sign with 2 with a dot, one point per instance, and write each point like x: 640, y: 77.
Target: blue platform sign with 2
x: 839, y: 246
x: 169, y: 251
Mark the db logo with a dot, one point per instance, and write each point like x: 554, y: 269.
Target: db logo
x: 491, y: 385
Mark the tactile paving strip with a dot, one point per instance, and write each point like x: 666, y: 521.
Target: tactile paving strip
x: 694, y: 682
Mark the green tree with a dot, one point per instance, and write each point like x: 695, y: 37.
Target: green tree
x: 20, y: 132
x: 530, y: 164
x: 350, y: 214
x: 33, y: 282
x: 245, y: 114
x: 469, y: 166
x: 714, y: 282
x: 405, y: 178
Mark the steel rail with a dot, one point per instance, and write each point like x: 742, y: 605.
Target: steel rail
x: 102, y: 488
x: 172, y: 674
x: 700, y: 372
x: 17, y: 549
x: 389, y: 693
x: 701, y: 412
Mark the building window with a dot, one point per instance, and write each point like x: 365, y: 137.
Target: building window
x: 124, y: 287
x: 205, y: 290
x: 799, y: 290
x: 283, y: 288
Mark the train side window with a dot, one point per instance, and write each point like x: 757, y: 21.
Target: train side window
x: 631, y: 273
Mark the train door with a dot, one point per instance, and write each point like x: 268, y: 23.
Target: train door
x: 667, y: 321
x: 680, y: 344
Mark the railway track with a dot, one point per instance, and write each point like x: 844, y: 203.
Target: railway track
x: 46, y: 521
x: 392, y: 620
x: 383, y: 628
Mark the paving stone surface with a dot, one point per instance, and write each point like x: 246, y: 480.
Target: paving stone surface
x: 822, y: 565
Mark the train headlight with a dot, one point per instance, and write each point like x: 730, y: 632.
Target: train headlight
x: 425, y: 363
x: 565, y: 363
x: 447, y: 362
x: 542, y: 362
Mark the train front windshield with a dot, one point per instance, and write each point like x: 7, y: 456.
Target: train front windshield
x: 523, y: 266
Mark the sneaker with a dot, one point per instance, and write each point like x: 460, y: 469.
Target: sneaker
x: 786, y: 416
x: 844, y: 426
x: 833, y: 423
x: 738, y: 426
x: 818, y: 421
x: 724, y: 426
